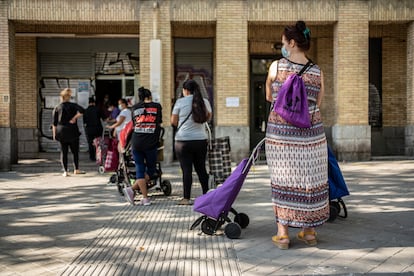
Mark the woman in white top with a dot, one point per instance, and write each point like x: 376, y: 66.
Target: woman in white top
x: 189, y: 114
x: 122, y: 119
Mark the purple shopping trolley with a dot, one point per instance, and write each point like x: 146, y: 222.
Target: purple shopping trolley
x: 217, y: 203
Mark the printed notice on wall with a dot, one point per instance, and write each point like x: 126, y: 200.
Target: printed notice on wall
x: 232, y: 102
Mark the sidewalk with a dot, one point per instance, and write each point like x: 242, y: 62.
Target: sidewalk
x: 79, y: 225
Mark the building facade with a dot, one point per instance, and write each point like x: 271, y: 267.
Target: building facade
x: 364, y: 47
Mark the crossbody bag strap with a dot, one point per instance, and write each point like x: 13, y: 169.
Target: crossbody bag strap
x: 188, y: 116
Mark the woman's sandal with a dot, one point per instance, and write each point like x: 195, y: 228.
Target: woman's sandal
x: 302, y: 234
x: 281, y: 245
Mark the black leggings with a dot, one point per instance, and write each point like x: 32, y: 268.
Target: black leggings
x: 191, y: 153
x: 74, y: 148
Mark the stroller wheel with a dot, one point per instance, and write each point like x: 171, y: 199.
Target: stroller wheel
x: 166, y: 187
x: 242, y: 219
x: 232, y: 230
x: 101, y: 169
x: 207, y: 226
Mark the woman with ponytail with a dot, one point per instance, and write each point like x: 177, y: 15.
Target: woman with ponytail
x: 189, y: 115
x: 147, y: 119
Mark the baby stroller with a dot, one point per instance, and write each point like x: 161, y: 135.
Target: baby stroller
x: 337, y: 188
x: 216, y: 204
x: 106, y: 152
x: 125, y: 174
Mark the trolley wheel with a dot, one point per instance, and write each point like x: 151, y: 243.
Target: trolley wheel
x: 166, y: 187
x: 334, y: 209
x: 242, y: 219
x: 232, y: 230
x: 101, y: 169
x: 207, y: 226
x: 113, y: 179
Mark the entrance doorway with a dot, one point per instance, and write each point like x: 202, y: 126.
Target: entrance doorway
x: 259, y: 107
x: 112, y: 88
x: 117, y: 87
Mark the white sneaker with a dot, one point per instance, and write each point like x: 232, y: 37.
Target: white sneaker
x: 145, y: 201
x: 129, y: 195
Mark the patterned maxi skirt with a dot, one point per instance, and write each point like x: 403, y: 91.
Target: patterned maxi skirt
x: 298, y: 164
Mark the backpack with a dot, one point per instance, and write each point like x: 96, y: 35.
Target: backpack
x: 292, y: 101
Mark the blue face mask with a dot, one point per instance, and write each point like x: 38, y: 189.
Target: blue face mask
x: 285, y: 53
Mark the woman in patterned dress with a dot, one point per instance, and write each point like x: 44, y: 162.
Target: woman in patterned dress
x: 297, y: 157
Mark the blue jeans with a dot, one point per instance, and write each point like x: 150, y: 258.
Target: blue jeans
x: 145, y: 162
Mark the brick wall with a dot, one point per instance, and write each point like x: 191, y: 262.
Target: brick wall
x: 75, y: 11
x: 410, y: 74
x: 232, y: 64
x: 394, y: 68
x: 351, y: 63
x: 6, y: 73
x: 164, y: 34
x: 26, y: 86
x: 340, y: 30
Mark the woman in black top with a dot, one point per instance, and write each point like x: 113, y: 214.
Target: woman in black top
x: 66, y: 131
x: 147, y: 119
x: 93, y: 126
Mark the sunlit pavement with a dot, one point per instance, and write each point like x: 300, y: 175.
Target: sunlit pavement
x: 79, y: 225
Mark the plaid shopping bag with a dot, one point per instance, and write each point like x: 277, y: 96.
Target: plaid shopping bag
x: 219, y: 159
x: 101, y: 147
x: 112, y: 156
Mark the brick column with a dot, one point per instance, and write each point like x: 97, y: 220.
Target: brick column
x: 409, y: 129
x: 146, y: 33
x: 8, y: 145
x: 351, y: 133
x: 232, y: 75
x: 27, y: 93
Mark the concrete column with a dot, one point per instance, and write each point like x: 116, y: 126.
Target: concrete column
x: 232, y: 75
x: 351, y: 133
x: 8, y: 145
x: 409, y: 129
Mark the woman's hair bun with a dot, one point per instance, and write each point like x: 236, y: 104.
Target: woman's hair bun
x: 300, y: 25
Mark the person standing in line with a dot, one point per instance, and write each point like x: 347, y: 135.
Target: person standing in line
x: 122, y: 119
x: 297, y: 157
x: 113, y: 112
x: 93, y: 126
x: 103, y: 106
x: 147, y: 119
x: 189, y: 115
x: 65, y: 130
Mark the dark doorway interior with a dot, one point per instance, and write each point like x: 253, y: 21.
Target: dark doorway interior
x: 259, y: 107
x: 111, y: 87
x: 378, y: 141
